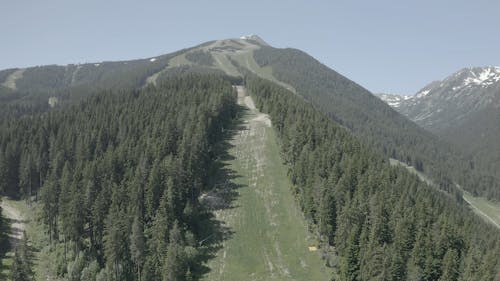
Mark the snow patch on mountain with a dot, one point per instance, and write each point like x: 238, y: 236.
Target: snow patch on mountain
x: 446, y: 102
x: 482, y: 77
x: 422, y: 93
x: 255, y: 38
x: 394, y: 100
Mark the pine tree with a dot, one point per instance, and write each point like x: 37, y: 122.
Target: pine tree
x: 21, y: 265
x: 450, y: 267
x: 137, y: 245
x: 174, y: 267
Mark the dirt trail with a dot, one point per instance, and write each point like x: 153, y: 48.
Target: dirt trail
x: 18, y: 223
x: 247, y: 101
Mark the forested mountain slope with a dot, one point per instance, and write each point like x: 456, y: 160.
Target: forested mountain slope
x: 374, y: 122
x: 463, y: 109
x: 25, y: 91
x: 383, y: 221
x: 123, y: 174
x: 118, y: 177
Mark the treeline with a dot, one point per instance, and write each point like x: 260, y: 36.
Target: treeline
x: 118, y: 177
x: 382, y: 221
x: 200, y: 57
x: 375, y: 123
x: 76, y: 81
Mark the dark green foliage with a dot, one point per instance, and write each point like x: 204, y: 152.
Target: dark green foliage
x: 479, y: 134
x: 377, y: 125
x: 4, y: 229
x: 119, y: 175
x: 186, y: 70
x: 200, y: 57
x: 383, y: 221
x: 71, y: 83
x: 22, y: 262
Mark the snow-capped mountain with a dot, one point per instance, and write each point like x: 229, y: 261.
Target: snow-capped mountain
x: 394, y: 100
x: 447, y: 103
x: 464, y: 109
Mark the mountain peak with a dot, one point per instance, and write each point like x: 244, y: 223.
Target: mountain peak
x: 480, y: 76
x: 254, y: 37
x: 452, y: 99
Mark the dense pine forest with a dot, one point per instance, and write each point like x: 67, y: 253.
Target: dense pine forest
x: 355, y: 108
x: 118, y: 174
x: 118, y: 177
x: 382, y: 221
x: 4, y: 228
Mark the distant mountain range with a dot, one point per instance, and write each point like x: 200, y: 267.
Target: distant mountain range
x: 447, y: 103
x: 464, y: 109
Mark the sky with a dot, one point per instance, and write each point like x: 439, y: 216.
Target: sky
x: 385, y: 46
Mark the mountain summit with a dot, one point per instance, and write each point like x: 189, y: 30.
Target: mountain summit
x: 444, y: 104
x: 256, y: 38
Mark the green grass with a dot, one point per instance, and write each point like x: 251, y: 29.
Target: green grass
x: 246, y: 60
x: 270, y: 237
x: 488, y: 210
x: 223, y: 63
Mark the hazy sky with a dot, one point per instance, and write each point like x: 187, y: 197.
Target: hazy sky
x: 386, y: 46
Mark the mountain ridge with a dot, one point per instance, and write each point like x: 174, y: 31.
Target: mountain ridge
x: 462, y: 109
x: 444, y: 103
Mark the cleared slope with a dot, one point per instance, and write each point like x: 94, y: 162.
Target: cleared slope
x: 488, y: 210
x: 270, y: 238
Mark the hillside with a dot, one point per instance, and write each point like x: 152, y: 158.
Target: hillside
x: 345, y: 102
x: 168, y: 178
x: 446, y: 104
x: 463, y: 109
x: 374, y: 122
x: 371, y: 213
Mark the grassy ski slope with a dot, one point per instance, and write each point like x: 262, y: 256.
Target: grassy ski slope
x: 269, y: 238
